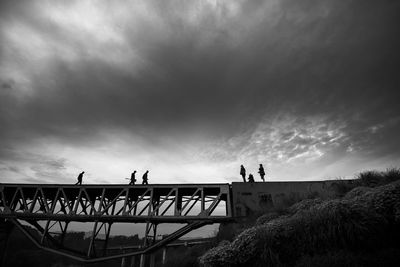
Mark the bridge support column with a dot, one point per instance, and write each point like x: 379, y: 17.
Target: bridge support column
x: 142, y: 260
x: 124, y: 261
x: 5, y: 231
x: 152, y: 259
x: 164, y: 255
x: 133, y: 261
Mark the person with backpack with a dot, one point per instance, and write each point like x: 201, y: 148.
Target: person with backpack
x: 243, y: 173
x: 80, y: 176
x: 145, y: 179
x: 261, y: 172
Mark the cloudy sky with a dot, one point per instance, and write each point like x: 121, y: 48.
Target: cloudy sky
x: 192, y: 89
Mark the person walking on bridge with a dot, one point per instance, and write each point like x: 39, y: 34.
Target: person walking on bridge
x: 80, y: 176
x: 145, y: 178
x: 261, y: 172
x: 133, y: 178
x: 243, y: 173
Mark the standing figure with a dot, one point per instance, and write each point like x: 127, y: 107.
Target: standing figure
x: 261, y: 172
x: 145, y: 178
x: 243, y: 173
x: 133, y: 179
x: 80, y: 176
x: 251, y: 178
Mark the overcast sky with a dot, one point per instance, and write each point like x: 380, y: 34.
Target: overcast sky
x: 192, y: 89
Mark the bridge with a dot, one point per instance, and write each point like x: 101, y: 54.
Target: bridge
x: 51, y: 209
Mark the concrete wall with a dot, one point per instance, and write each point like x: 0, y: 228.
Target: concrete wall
x: 261, y: 197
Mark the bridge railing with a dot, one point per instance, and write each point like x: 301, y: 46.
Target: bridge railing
x: 46, y: 206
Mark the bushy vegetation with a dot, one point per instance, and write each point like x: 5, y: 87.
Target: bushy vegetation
x: 384, y: 257
x: 367, y: 179
x: 375, y: 178
x: 338, y: 232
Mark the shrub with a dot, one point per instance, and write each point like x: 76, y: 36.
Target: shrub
x: 358, y: 191
x: 370, y: 178
x: 386, y: 257
x: 304, y: 205
x: 391, y: 175
x: 375, y: 178
x: 367, y: 221
x: 266, y: 218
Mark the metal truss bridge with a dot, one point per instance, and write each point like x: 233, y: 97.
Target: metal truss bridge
x: 51, y: 209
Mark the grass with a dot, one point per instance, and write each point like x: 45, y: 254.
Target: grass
x: 337, y: 232
x: 368, y: 179
x: 384, y: 257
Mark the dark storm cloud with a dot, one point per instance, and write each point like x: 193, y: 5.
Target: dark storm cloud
x: 178, y: 68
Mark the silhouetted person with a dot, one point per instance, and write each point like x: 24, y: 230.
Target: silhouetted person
x: 243, y: 173
x: 133, y: 179
x: 145, y: 178
x: 261, y: 172
x: 80, y: 176
x: 251, y: 178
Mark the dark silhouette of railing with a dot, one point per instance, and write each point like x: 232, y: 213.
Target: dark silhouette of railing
x: 50, y: 209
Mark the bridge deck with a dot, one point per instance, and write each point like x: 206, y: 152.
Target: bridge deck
x: 51, y: 207
x: 116, y: 203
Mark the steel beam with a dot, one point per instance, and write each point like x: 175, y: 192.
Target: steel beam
x: 193, y: 205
